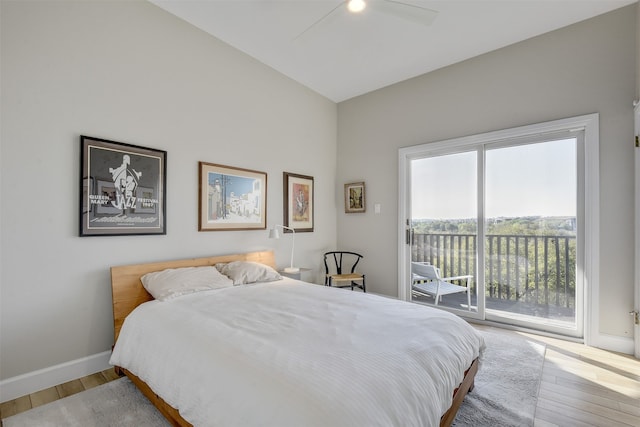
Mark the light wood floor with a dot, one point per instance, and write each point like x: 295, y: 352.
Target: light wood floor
x: 581, y: 386
x: 585, y: 386
x: 32, y: 400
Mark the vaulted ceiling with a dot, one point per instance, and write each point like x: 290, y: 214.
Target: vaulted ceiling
x: 341, y: 55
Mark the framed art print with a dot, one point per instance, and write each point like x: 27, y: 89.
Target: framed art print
x: 122, y: 188
x: 231, y: 198
x: 298, y: 202
x: 354, y: 197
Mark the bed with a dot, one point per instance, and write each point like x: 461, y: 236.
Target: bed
x: 289, y: 353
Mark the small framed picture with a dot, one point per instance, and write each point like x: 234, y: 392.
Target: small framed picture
x: 298, y: 202
x: 122, y: 188
x: 231, y: 198
x: 354, y: 197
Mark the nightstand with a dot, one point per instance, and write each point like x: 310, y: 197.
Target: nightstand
x: 297, y: 275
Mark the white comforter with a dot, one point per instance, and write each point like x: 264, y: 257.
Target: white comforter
x: 288, y: 353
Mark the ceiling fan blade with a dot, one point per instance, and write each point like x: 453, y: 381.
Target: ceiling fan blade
x: 406, y: 11
x: 316, y: 23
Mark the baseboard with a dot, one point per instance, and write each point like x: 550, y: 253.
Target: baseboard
x: 613, y: 343
x: 31, y: 382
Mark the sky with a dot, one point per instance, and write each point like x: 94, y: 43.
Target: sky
x: 235, y: 184
x: 526, y: 180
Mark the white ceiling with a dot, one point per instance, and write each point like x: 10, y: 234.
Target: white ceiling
x: 347, y: 55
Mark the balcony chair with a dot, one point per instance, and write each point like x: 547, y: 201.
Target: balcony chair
x: 426, y: 281
x: 340, y: 270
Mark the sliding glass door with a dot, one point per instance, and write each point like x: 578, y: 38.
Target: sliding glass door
x: 503, y: 216
x: 444, y: 223
x: 531, y: 232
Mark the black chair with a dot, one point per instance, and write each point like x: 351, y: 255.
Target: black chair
x: 340, y: 267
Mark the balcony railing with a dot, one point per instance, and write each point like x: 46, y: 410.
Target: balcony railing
x: 533, y: 269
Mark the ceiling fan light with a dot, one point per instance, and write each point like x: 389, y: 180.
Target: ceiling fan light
x: 356, y: 6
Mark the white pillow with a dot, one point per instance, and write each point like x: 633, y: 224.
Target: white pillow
x: 243, y: 272
x: 173, y: 282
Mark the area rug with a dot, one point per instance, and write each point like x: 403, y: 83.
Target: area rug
x: 114, y: 404
x: 505, y: 393
x: 506, y: 385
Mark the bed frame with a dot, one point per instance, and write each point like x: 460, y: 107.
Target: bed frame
x: 128, y: 293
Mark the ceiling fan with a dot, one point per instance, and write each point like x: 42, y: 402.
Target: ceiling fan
x: 407, y: 11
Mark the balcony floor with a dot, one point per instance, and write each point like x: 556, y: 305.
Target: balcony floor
x: 541, y: 312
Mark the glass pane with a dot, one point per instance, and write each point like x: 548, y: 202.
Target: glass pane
x: 530, y: 245
x: 444, y: 222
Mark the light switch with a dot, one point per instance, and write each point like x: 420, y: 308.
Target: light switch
x: 376, y: 208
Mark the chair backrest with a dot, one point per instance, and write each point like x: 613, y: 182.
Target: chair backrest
x: 425, y: 270
x: 342, y: 262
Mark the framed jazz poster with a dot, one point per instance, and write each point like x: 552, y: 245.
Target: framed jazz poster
x: 122, y: 188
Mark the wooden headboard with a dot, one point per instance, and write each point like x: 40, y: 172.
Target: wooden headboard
x: 127, y: 290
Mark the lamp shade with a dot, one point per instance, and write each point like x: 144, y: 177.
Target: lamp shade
x: 274, y: 233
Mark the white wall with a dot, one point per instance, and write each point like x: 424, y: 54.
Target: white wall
x: 585, y: 68
x: 638, y: 55
x: 130, y: 72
